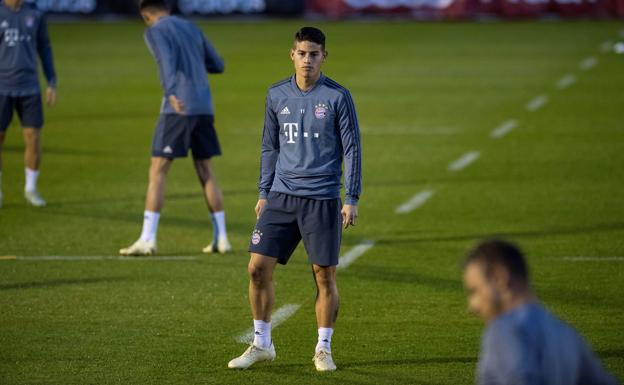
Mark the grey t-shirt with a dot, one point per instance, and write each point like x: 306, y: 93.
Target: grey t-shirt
x: 530, y: 346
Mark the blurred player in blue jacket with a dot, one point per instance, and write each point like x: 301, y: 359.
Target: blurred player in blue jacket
x: 524, y: 344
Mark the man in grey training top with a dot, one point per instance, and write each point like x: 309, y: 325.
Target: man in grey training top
x: 524, y: 344
x: 23, y: 38
x: 310, y: 127
x: 186, y: 122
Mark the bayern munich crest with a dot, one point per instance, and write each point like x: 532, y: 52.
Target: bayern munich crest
x: 256, y: 237
x: 320, y: 111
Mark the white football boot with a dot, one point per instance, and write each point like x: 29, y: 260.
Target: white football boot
x: 323, y: 361
x: 34, y: 198
x: 222, y: 246
x: 252, y: 355
x: 140, y: 248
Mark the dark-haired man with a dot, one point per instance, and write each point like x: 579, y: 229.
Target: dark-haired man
x: 524, y: 344
x: 310, y: 127
x: 183, y: 56
x: 23, y: 37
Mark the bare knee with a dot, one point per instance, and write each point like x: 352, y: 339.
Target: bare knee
x: 204, y: 170
x: 31, y: 136
x: 325, y: 277
x: 159, y: 168
x: 257, y: 274
x: 260, y: 271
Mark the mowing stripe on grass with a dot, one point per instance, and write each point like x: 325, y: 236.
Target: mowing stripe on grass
x: 566, y: 81
x: 408, y: 130
x: 606, y: 46
x: 537, y: 102
x: 464, y: 161
x: 593, y: 259
x: 98, y: 258
x: 353, y: 254
x: 280, y: 315
x: 415, y: 202
x: 504, y: 129
x: 588, y: 63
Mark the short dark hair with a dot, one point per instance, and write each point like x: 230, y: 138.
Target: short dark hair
x: 494, y: 253
x: 311, y: 34
x: 157, y: 4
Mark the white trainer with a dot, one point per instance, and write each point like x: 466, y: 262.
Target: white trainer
x: 252, y: 355
x: 222, y: 246
x: 323, y: 361
x: 139, y: 248
x: 34, y: 198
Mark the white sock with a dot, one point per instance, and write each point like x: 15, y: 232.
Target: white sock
x: 218, y: 224
x: 324, y: 339
x: 31, y: 179
x: 262, y: 334
x: 150, y: 226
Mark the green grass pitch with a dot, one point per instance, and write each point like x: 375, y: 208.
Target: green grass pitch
x: 426, y: 94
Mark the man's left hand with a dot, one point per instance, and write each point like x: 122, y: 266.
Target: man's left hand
x: 51, y: 96
x: 349, y: 215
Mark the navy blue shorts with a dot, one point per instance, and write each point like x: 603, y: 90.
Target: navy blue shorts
x: 287, y: 219
x: 29, y: 109
x: 175, y: 134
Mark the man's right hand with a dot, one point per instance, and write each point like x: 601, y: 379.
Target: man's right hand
x: 260, y: 207
x: 177, y: 105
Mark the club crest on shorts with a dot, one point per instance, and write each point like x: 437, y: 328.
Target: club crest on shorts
x: 256, y: 237
x: 320, y: 111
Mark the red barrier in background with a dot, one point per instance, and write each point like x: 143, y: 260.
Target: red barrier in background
x: 461, y: 9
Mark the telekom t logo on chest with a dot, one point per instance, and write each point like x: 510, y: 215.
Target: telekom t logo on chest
x: 291, y: 131
x: 11, y: 36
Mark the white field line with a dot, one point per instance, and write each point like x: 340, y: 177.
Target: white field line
x: 464, y: 161
x: 606, y: 46
x: 504, y: 129
x: 283, y: 313
x: 280, y: 315
x: 96, y: 258
x: 588, y: 63
x: 566, y: 81
x: 415, y: 202
x: 354, y: 253
x: 593, y: 259
x: 536, y: 103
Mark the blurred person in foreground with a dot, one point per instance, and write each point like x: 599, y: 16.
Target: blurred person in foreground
x: 524, y: 344
x: 23, y: 38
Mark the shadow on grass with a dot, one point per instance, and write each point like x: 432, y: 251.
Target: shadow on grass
x: 59, y: 282
x: 361, y: 367
x: 611, y: 353
x: 512, y: 234
x: 401, y: 275
x: 48, y: 150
